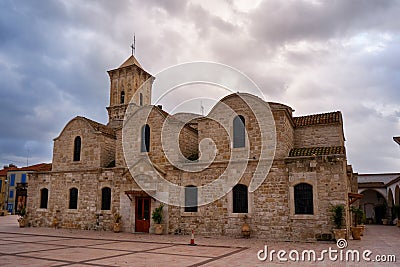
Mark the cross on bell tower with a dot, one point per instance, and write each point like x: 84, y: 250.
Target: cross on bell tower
x: 133, y: 45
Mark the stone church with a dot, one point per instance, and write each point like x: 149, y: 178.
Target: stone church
x: 90, y: 180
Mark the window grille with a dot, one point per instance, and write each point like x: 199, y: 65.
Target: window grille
x: 44, y: 196
x: 106, y: 198
x: 73, y: 198
x: 303, y: 199
x: 240, y: 199
x: 77, y: 148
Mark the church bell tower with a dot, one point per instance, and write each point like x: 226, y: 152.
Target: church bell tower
x: 127, y: 81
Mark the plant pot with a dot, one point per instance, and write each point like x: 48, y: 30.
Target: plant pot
x: 340, y: 233
x: 22, y: 222
x: 356, y: 232
x: 117, y: 227
x: 384, y: 221
x: 362, y: 228
x: 246, y: 230
x: 158, y: 229
x: 55, y: 222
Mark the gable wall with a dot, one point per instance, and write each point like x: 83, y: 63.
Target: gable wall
x: 97, y: 150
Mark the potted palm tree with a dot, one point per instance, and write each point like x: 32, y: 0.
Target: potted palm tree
x: 356, y: 230
x: 117, y: 222
x: 157, y: 217
x: 22, y: 219
x: 337, y: 217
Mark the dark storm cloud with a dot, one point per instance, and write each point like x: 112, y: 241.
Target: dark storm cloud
x: 41, y: 88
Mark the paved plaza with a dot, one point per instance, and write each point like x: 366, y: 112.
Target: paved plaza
x: 63, y: 247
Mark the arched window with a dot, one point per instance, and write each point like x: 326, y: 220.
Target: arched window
x: 77, y: 148
x: 190, y: 198
x: 240, y: 200
x: 239, y: 130
x: 106, y: 198
x: 73, y: 198
x: 145, y: 139
x: 122, y: 99
x: 44, y: 196
x: 140, y: 99
x: 303, y: 199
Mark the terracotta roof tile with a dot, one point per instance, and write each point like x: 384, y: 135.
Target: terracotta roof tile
x: 317, y: 151
x: 323, y: 118
x: 3, y: 172
x: 41, y: 167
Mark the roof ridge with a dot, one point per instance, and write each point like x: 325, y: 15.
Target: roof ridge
x: 315, y: 114
x: 100, y: 127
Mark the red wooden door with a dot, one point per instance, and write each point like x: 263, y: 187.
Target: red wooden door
x: 142, y: 214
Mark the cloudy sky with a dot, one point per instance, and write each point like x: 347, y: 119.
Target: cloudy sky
x: 315, y: 56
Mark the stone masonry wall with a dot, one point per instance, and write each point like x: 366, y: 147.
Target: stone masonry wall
x: 270, y: 212
x: 188, y: 141
x: 284, y: 132
x: 319, y: 135
x: 107, y: 154
x: 327, y: 175
x: 119, y: 155
x: 128, y: 79
x: 89, y: 185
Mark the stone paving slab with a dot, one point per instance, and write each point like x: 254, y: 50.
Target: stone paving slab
x: 195, y: 250
x: 151, y: 259
x: 129, y: 246
x: 73, y: 242
x: 63, y: 247
x: 26, y: 247
x: 7, y: 260
x: 31, y: 238
x: 75, y: 254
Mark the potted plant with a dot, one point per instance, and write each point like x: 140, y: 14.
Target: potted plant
x: 22, y: 219
x: 356, y: 230
x: 396, y: 213
x: 360, y: 219
x: 337, y: 217
x: 117, y: 222
x: 157, y: 217
x: 245, y: 227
